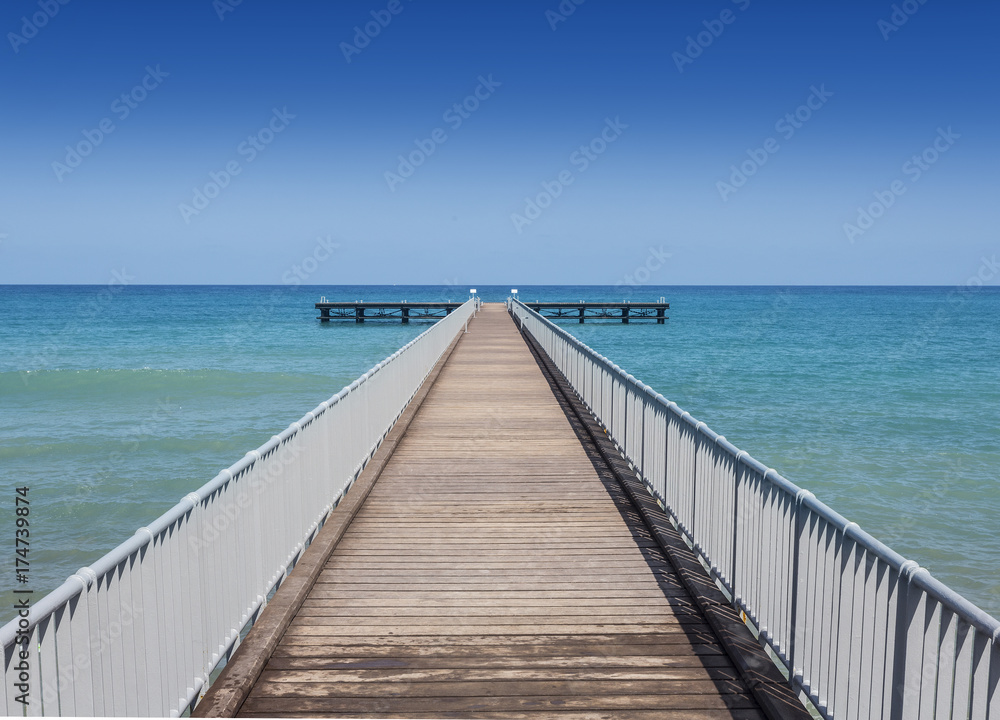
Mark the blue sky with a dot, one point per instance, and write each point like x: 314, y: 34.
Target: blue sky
x: 740, y: 138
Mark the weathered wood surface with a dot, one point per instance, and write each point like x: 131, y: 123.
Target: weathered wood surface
x: 494, y: 572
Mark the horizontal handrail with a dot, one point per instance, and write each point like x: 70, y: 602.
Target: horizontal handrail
x: 864, y: 632
x: 139, y: 632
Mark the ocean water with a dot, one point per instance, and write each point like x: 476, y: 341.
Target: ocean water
x: 885, y: 402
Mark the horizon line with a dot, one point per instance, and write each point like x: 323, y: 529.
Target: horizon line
x: 632, y: 288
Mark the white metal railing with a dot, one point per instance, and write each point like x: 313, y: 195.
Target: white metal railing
x: 865, y: 633
x: 139, y: 632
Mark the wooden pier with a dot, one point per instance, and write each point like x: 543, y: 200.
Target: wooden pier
x: 581, y: 311
x: 495, y: 560
x: 624, y: 312
x: 404, y: 311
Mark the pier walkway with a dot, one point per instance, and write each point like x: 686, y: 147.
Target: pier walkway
x: 496, y: 569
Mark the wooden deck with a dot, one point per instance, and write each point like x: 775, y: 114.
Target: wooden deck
x: 495, y: 571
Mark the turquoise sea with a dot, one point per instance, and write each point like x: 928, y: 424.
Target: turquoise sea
x: 885, y: 402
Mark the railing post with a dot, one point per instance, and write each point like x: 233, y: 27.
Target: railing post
x: 733, y: 584
x: 795, y: 669
x: 694, y: 488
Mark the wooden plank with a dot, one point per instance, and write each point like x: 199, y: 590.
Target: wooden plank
x: 308, y: 628
x: 520, y: 663
x: 677, y: 634
x: 474, y: 603
x: 565, y: 610
x: 554, y: 713
x: 408, y: 705
x: 493, y: 554
x: 273, y: 674
x: 417, y: 595
x: 557, y: 568
x: 599, y: 689
x: 700, y: 643
x: 486, y: 585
